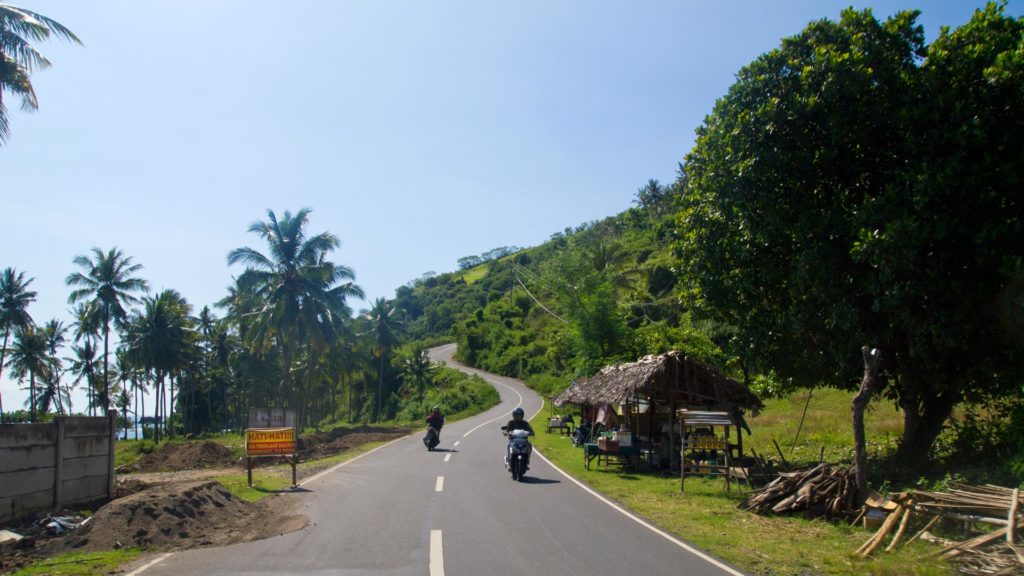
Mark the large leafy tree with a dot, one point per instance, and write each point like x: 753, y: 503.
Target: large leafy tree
x: 108, y: 281
x: 293, y: 296
x: 19, y: 28
x: 14, y: 300
x: 856, y: 186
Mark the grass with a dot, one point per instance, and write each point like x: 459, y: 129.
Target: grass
x: 274, y: 479
x: 762, y: 545
x: 476, y: 273
x: 828, y: 425
x: 81, y: 563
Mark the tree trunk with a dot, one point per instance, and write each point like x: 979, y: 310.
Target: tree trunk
x: 872, y: 358
x: 106, y: 351
x: 32, y: 396
x: 924, y: 415
x: 3, y: 353
x: 380, y: 385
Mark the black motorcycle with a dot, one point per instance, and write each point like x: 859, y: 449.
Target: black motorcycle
x: 432, y: 439
x: 518, y: 453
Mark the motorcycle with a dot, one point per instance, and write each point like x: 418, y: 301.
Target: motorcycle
x: 518, y: 453
x: 432, y: 439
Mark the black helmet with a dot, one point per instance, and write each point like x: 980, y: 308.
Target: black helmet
x: 517, y: 413
x: 436, y: 410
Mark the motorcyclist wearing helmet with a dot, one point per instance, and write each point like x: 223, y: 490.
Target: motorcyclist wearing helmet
x: 518, y: 422
x: 436, y: 420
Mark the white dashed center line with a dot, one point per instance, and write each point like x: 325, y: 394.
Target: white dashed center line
x: 440, y: 484
x: 456, y: 443
x: 447, y: 457
x: 436, y: 554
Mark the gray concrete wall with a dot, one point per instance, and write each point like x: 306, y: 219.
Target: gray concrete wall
x: 44, y: 466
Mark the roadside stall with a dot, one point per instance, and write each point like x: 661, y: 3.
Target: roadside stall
x: 707, y: 449
x: 641, y: 403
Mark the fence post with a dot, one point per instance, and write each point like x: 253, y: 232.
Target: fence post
x: 58, y: 465
x: 112, y: 429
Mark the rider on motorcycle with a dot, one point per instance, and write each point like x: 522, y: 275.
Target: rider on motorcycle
x: 519, y: 423
x: 435, y: 420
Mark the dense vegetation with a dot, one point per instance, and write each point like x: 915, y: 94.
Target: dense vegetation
x: 288, y: 339
x: 854, y: 187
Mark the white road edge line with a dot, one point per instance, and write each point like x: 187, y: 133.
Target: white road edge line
x: 447, y: 457
x: 346, y: 462
x: 149, y: 564
x: 503, y: 415
x: 164, y: 556
x: 439, y: 485
x: 639, y: 520
x: 436, y: 554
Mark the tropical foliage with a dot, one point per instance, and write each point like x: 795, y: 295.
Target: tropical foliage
x: 19, y: 28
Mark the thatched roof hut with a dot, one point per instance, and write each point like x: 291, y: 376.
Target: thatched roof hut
x: 671, y: 378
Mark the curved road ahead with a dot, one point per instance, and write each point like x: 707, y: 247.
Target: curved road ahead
x: 400, y: 510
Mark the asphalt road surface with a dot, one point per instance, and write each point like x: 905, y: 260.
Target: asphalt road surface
x: 402, y: 510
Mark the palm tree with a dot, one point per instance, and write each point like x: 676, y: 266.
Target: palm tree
x: 54, y: 332
x: 384, y: 319
x: 85, y: 367
x: 29, y: 356
x: 301, y: 295
x: 14, y: 300
x: 109, y: 281
x: 122, y: 400
x: 417, y: 369
x: 160, y: 338
x: 18, y: 58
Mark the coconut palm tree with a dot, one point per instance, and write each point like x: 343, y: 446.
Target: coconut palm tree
x: 14, y: 300
x: 301, y: 295
x: 417, y: 369
x: 85, y: 367
x: 18, y: 58
x: 160, y: 338
x: 55, y: 332
x: 29, y: 357
x: 109, y: 281
x: 384, y: 320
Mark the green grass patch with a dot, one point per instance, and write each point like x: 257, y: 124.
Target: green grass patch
x: 476, y: 273
x: 273, y: 479
x: 828, y: 425
x: 81, y: 563
x: 707, y: 516
x: 263, y: 484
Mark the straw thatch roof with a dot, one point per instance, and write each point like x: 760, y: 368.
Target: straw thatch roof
x: 672, y: 377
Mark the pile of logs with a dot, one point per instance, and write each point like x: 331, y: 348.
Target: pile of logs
x: 816, y: 492
x: 991, y: 553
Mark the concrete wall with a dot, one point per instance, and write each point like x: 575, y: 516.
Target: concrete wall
x: 44, y: 466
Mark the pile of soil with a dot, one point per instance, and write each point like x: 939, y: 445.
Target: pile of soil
x: 339, y: 440
x: 178, y: 516
x: 186, y: 456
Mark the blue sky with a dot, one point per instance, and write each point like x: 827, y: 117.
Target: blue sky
x: 418, y: 132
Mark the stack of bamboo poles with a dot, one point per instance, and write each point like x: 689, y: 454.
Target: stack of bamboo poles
x: 992, y: 553
x: 818, y: 491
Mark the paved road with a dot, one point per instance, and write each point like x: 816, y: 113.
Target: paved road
x: 402, y: 510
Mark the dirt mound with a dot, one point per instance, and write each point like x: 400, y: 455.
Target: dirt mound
x: 179, y: 516
x: 339, y: 440
x: 186, y: 456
